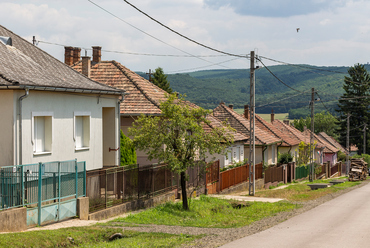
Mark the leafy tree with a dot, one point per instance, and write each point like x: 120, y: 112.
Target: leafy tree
x: 178, y: 138
x: 127, y: 149
x: 355, y: 101
x: 324, y: 122
x: 304, y: 152
x: 160, y: 79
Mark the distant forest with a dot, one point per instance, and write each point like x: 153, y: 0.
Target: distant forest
x: 208, y: 88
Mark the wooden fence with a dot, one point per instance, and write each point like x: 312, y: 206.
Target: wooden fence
x: 274, y: 174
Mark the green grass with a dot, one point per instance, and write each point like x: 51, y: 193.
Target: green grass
x: 206, y: 212
x: 302, y: 192
x: 92, y: 237
x: 267, y: 117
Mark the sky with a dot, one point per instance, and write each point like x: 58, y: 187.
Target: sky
x: 331, y: 32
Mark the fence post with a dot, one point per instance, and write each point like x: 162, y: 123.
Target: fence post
x: 22, y: 185
x: 59, y: 186
x: 39, y: 195
x: 76, y: 176
x: 84, y: 180
x: 106, y: 187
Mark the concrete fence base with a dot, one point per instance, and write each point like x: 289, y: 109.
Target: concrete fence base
x: 131, y: 206
x: 13, y: 220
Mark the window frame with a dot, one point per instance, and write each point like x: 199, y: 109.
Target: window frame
x: 85, y: 140
x: 48, y: 139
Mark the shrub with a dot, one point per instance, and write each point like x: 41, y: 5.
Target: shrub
x: 284, y: 158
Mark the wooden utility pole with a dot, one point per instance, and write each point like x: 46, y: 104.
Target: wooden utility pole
x: 150, y: 75
x: 347, y: 145
x: 311, y: 136
x: 365, y: 139
x: 252, y: 150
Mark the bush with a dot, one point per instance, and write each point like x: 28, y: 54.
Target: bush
x: 284, y: 158
x: 128, y: 151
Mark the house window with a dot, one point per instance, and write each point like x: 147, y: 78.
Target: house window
x: 273, y: 154
x: 236, y: 154
x: 42, y: 133
x: 82, y: 131
x: 228, y: 160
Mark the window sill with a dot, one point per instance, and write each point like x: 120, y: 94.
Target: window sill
x: 41, y: 153
x: 82, y: 148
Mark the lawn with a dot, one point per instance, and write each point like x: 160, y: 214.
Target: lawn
x: 267, y: 117
x: 92, y: 237
x: 302, y: 192
x: 206, y: 212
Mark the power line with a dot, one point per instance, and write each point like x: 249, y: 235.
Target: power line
x: 148, y: 33
x: 277, y: 77
x: 141, y: 54
x: 183, y: 36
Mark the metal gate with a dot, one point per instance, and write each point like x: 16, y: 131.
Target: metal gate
x: 48, y: 190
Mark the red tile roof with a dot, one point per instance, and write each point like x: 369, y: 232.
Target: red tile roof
x: 332, y: 141
x: 242, y: 125
x: 214, y: 122
x: 144, y: 97
x: 286, y: 133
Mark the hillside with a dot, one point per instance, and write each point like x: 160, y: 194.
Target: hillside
x: 208, y: 88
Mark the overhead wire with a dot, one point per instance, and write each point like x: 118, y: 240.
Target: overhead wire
x: 183, y: 36
x: 146, y: 33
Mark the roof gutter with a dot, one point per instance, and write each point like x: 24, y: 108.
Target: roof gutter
x: 20, y: 124
x: 59, y: 89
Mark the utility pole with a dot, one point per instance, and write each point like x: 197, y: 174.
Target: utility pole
x: 312, y: 154
x: 150, y: 75
x: 252, y: 153
x: 347, y: 145
x: 365, y: 139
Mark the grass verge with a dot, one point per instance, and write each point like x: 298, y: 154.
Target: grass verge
x: 301, y: 192
x: 92, y: 237
x: 206, y: 212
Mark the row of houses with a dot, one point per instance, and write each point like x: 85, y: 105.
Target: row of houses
x: 54, y: 111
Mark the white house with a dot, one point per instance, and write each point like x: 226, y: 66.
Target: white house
x: 50, y: 112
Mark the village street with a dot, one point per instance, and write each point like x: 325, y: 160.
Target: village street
x: 341, y: 222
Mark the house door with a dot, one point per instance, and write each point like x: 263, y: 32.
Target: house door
x: 109, y: 137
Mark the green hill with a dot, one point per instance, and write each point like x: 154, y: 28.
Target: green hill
x: 209, y: 87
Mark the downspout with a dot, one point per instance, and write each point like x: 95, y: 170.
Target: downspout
x: 119, y: 126
x: 263, y: 153
x: 20, y: 123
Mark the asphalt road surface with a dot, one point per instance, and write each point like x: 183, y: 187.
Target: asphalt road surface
x: 341, y: 222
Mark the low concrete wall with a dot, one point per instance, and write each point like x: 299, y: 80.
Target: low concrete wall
x: 13, y: 220
x: 243, y: 187
x: 131, y: 206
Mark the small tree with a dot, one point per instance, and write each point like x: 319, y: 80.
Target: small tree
x: 284, y: 158
x: 178, y: 137
x: 304, y: 152
x: 160, y: 79
x: 127, y: 149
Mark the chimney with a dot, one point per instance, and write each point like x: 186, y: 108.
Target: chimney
x: 68, y: 55
x: 96, y: 54
x: 76, y: 54
x: 86, y: 66
x: 246, y: 111
x: 272, y: 115
x: 231, y: 106
x: 286, y: 122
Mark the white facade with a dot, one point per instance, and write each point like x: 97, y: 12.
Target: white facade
x: 59, y: 126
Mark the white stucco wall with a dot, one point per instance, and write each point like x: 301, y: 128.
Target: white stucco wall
x: 62, y: 107
x: 7, y: 145
x: 233, y: 150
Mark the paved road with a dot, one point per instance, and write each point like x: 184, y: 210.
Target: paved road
x: 341, y: 222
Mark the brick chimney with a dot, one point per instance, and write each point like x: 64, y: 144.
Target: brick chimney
x: 96, y: 54
x: 86, y: 66
x: 286, y: 122
x: 68, y: 55
x: 76, y: 54
x: 231, y: 106
x: 272, y: 115
x: 246, y: 111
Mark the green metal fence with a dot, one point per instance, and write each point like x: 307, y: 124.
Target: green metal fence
x: 301, y: 172
x: 38, y: 185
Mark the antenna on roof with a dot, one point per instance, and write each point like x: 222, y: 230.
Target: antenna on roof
x: 85, y: 53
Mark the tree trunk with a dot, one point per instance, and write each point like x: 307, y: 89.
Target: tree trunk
x: 183, y: 191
